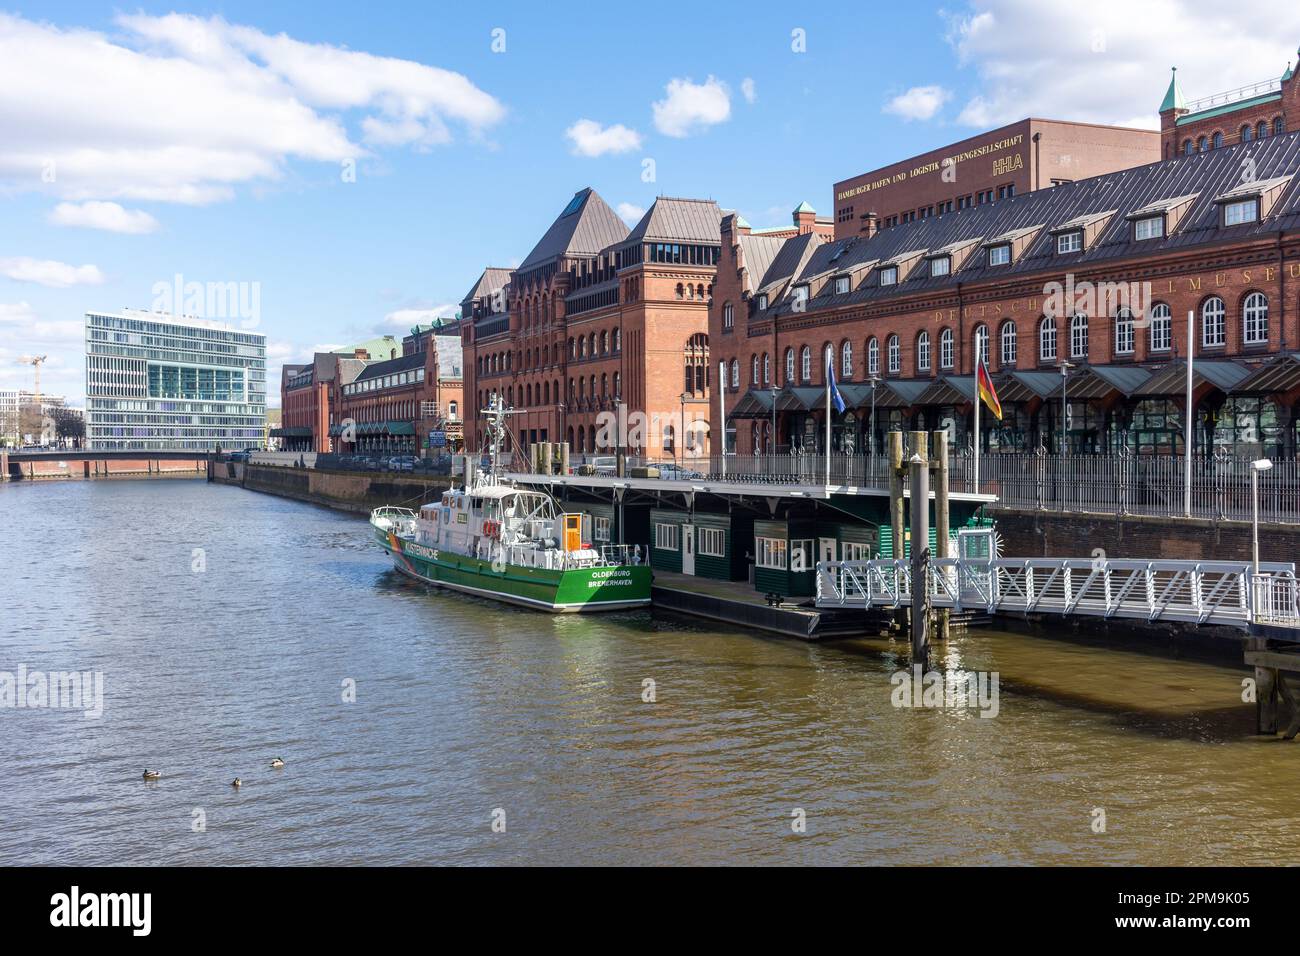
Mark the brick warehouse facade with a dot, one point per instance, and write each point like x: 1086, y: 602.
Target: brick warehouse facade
x: 1268, y: 108
x: 1013, y: 160
x: 595, y: 319
x: 909, y: 305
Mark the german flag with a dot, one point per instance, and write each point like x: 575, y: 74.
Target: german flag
x: 988, y: 394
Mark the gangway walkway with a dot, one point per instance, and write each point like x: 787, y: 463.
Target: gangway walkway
x: 1194, y: 592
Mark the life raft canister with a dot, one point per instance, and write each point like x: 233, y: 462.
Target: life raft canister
x: 492, y: 529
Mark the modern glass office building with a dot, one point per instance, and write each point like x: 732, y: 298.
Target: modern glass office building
x: 159, y: 381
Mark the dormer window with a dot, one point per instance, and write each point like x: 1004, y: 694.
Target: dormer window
x: 1241, y: 211
x: 889, y: 275
x: 800, y: 296
x: 940, y: 266
x: 762, y: 301
x: 841, y: 285
x: 1150, y: 227
x: 999, y: 255
x: 1069, y: 242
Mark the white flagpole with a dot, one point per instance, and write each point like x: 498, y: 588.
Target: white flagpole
x: 722, y: 411
x: 1187, y: 438
x: 977, y: 424
x: 828, y: 420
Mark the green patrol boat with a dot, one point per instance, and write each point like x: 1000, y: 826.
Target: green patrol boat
x: 499, y: 541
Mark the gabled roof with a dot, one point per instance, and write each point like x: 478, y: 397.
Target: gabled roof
x: 758, y: 252
x: 1162, y: 205
x: 584, y: 227
x: 1254, y: 187
x: 1224, y: 375
x: 789, y: 263
x: 679, y: 220
x: 1083, y: 222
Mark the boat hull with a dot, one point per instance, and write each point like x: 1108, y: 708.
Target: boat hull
x: 565, y: 592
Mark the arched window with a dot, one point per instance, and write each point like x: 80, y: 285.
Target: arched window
x: 1187, y: 147
x: 728, y: 315
x: 1008, y: 345
x: 873, y: 356
x: 1279, y: 126
x: 1217, y: 140
x: 1246, y: 134
x: 604, y: 343
x: 982, y: 344
x: 1047, y: 338
x: 1254, y: 317
x: 591, y: 342
x: 735, y: 373
x: 923, y: 352
x: 681, y: 291
x: 584, y: 347
x: 1214, y: 322
x: 604, y: 385
x: 618, y: 340
x: 618, y: 385
x: 1201, y: 145
x: 789, y: 366
x: 753, y: 373
x: 895, y: 353
x: 573, y: 348
x: 696, y: 362
x: 1079, y: 336
x: 805, y: 364
x: 453, y: 409
x: 846, y: 359
x: 1162, y: 333
x: 1124, y: 338
x: 767, y: 369
x: 946, y: 350
x: 1261, y: 131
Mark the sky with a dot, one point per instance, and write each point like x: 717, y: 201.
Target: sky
x: 349, y: 169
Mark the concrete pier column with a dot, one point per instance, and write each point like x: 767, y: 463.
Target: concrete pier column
x: 919, y: 474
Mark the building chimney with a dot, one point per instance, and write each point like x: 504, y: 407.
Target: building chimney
x: 361, y: 354
x: 870, y: 224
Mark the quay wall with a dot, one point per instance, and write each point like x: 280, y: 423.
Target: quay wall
x: 346, y: 491
x: 1039, y: 534
x: 73, y: 467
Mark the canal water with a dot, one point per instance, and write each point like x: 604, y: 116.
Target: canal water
x: 229, y: 626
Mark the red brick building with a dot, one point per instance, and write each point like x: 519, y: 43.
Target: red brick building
x: 1033, y: 281
x: 307, y: 400
x: 392, y: 407
x: 596, y: 319
x: 1268, y: 108
x: 1010, y: 161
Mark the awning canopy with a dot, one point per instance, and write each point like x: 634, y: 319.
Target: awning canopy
x: 949, y: 390
x: 1027, y: 386
x: 292, y: 431
x: 1171, y: 380
x: 400, y: 428
x: 756, y: 403
x: 1282, y: 374
x: 1100, y: 381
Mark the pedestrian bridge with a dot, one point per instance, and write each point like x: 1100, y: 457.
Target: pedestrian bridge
x: 1192, y: 592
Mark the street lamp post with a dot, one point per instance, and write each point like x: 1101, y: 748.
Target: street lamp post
x: 1065, y: 407
x: 679, y: 433
x: 875, y: 380
x: 771, y: 442
x: 1257, y: 466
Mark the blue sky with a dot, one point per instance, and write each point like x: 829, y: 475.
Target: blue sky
x: 196, y: 140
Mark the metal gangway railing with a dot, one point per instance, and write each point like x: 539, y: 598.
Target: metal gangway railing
x: 1195, y: 592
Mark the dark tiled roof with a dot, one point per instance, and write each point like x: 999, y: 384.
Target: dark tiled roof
x: 585, y: 227
x: 790, y: 261
x: 679, y: 220
x: 490, y: 281
x: 1208, y: 175
x: 759, y: 251
x: 403, y: 363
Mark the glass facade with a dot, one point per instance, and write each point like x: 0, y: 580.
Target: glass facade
x: 156, y: 382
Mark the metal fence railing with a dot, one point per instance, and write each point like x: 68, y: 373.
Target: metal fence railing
x: 1118, y: 484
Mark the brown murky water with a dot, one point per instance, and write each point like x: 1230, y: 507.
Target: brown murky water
x: 465, y: 707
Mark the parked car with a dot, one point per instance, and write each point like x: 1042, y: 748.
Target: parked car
x: 401, y: 463
x: 671, y: 471
x: 605, y: 465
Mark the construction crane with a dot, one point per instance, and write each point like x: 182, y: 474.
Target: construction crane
x: 35, y: 362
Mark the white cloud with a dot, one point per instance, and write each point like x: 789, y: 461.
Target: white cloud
x: 589, y: 138
x: 630, y: 213
x: 49, y: 272
x: 108, y: 216
x: 918, y: 103
x: 212, y: 106
x: 1107, y: 61
x: 689, y: 107
x: 747, y: 90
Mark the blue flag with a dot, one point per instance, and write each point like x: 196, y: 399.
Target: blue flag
x: 833, y: 395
